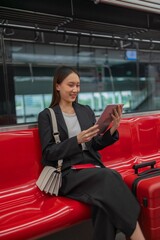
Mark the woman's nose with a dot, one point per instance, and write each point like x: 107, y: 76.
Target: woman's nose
x: 75, y: 89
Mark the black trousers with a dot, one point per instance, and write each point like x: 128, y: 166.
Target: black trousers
x: 113, y: 205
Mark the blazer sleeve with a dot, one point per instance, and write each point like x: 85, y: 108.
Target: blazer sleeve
x: 105, y: 140
x: 50, y: 150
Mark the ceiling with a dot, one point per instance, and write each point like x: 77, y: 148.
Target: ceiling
x: 80, y: 22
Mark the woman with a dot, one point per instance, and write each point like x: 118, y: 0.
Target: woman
x: 113, y: 205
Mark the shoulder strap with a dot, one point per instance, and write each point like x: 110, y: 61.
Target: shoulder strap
x: 55, y: 131
x: 54, y: 125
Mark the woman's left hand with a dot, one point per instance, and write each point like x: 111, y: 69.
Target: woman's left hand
x: 117, y: 114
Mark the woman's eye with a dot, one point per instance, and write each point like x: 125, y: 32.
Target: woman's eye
x: 71, y: 85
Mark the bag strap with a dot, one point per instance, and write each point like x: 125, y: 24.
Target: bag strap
x: 55, y: 133
x: 54, y: 125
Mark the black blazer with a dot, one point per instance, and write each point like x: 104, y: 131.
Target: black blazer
x: 68, y: 149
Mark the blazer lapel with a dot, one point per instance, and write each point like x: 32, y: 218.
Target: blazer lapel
x: 60, y: 119
x: 82, y: 121
x: 81, y: 117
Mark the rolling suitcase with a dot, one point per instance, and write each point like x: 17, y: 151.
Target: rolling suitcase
x: 146, y: 188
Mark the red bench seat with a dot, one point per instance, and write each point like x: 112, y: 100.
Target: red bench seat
x: 26, y: 212
x: 139, y: 142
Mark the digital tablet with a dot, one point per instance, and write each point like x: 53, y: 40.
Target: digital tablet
x: 105, y: 119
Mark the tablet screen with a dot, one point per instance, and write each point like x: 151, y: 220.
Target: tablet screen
x: 105, y: 119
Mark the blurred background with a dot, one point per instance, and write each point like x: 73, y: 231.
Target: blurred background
x: 115, y: 48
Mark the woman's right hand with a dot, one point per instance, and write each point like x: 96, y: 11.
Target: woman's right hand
x: 87, y: 135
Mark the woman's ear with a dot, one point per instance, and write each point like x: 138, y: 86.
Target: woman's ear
x: 57, y: 87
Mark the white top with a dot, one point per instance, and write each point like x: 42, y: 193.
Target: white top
x: 73, y: 126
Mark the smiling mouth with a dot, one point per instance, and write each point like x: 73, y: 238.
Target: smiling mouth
x: 74, y: 96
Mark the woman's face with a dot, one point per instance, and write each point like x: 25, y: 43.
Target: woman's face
x: 69, y: 88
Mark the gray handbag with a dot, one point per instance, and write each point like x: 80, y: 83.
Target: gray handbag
x: 50, y: 179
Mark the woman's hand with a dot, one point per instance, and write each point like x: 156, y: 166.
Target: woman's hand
x: 87, y: 135
x: 117, y: 114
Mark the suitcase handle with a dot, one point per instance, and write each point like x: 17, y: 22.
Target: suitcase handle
x: 142, y: 165
x: 149, y: 171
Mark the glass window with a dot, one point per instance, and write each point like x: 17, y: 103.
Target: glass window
x: 107, y: 76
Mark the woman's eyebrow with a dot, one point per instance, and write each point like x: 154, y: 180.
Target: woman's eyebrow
x: 74, y: 82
